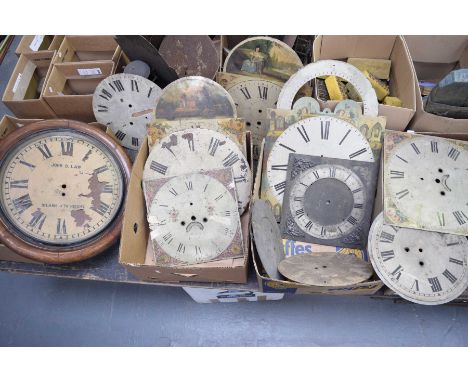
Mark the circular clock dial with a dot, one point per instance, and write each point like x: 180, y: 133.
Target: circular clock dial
x: 192, y: 150
x: 424, y: 267
x: 426, y: 182
x: 327, y: 201
x: 63, y: 186
x: 193, y: 218
x: 320, y: 136
x: 125, y: 103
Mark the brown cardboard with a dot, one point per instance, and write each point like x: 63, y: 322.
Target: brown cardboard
x: 88, y: 48
x: 20, y: 93
x: 385, y: 47
x: 35, y: 43
x: 434, y: 57
x: 70, y: 94
x: 135, y: 234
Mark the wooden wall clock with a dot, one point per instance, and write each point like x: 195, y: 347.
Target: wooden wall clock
x: 63, y: 191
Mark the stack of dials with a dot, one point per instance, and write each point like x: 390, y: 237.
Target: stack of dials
x: 196, y: 180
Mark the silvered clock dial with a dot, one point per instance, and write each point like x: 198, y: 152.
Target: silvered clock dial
x: 193, y: 218
x: 424, y: 267
x: 125, y: 103
x: 194, y: 150
x: 320, y: 136
x: 63, y: 188
x: 426, y: 182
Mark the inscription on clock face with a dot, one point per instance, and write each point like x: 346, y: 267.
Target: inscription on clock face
x: 421, y: 266
x: 426, y: 183
x: 61, y: 187
x: 125, y: 103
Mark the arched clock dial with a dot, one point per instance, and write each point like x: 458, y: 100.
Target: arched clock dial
x: 125, y: 103
x: 193, y: 219
x: 196, y: 149
x: 424, y: 267
x: 426, y: 182
x: 63, y: 189
x: 320, y: 136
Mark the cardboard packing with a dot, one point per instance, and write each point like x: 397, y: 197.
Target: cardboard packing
x: 70, y: 87
x: 20, y: 94
x: 35, y: 43
x: 386, y: 47
x: 434, y: 57
x: 88, y: 48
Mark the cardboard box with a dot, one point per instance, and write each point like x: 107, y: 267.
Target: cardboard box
x: 70, y: 87
x: 434, y: 57
x: 88, y: 48
x: 35, y: 43
x: 386, y: 47
x: 135, y: 247
x: 21, y: 95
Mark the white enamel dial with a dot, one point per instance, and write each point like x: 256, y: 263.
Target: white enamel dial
x: 320, y: 136
x: 193, y: 218
x: 426, y: 183
x: 318, y: 216
x: 424, y: 267
x: 193, y: 150
x: 125, y: 103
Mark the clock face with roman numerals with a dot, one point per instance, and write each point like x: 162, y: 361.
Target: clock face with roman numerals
x: 61, y: 187
x: 193, y: 218
x: 426, y: 182
x: 424, y: 267
x: 319, y: 136
x: 197, y: 149
x: 125, y: 103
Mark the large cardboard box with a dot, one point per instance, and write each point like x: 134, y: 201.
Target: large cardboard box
x: 434, y: 57
x: 70, y: 87
x: 21, y: 94
x: 88, y: 48
x: 135, y: 248
x: 384, y: 47
x: 35, y: 43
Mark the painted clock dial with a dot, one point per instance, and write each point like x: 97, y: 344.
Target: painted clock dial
x: 426, y: 182
x: 125, y: 103
x: 319, y: 136
x: 63, y: 188
x: 424, y: 267
x: 197, y: 149
x: 193, y: 218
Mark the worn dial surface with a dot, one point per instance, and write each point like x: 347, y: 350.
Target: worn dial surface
x: 426, y: 183
x: 319, y: 136
x: 424, y: 267
x: 196, y: 149
x: 60, y: 187
x: 125, y: 103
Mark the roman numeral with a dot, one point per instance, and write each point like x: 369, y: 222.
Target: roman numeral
x: 387, y: 255
x: 456, y: 261
x: 308, y: 225
x: 323, y: 231
x: 150, y: 91
x: 324, y: 129
x: 101, y: 169
x: 263, y: 92
x: 357, y: 153
x: 44, y: 149
x: 37, y: 220
x: 303, y: 133
x: 231, y: 159
x: 397, y: 272
x: 316, y: 174
x: 214, y: 143
x: 246, y: 93
x: 168, y: 238
x: 396, y: 174
x: 434, y: 147
x: 453, y: 154
x: 449, y: 276
x: 342, y: 139
x: 22, y: 203
x: 197, y: 250
x: 158, y: 167
x: 402, y: 159
x: 288, y: 148
x: 435, y: 284
x: 357, y: 190
x: 280, y: 167
x: 298, y: 199
x: 189, y: 185
x: 401, y: 194
x: 227, y: 213
x: 105, y: 94
x: 441, y: 218
x: 240, y: 179
x: 415, y: 148
x: 386, y: 237
x: 134, y: 84
x: 181, y: 248
x: 31, y: 166
x: 415, y: 285
x: 173, y: 192
x: 108, y: 189
x: 300, y: 213
x: 102, y: 109
x: 61, y: 227
x: 118, y: 85
x: 461, y: 217
x: 352, y: 220
x: 120, y: 135
x: 86, y: 157
x: 219, y: 197
x: 19, y: 183
x: 67, y: 148
x: 280, y: 187
x: 102, y: 208
x: 358, y: 205
x: 135, y: 141
x: 332, y: 172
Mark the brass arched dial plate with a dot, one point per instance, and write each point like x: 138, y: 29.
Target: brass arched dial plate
x: 426, y: 182
x: 195, y: 150
x: 125, y: 103
x: 63, y: 187
x: 424, y: 267
x: 193, y: 218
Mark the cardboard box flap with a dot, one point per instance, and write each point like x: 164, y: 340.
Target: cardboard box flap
x: 88, y: 48
x: 399, y: 69
x: 437, y: 49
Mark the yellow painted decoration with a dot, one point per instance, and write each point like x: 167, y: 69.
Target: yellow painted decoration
x: 381, y: 89
x: 336, y: 89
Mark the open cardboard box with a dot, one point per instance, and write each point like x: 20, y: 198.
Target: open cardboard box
x: 70, y: 87
x: 21, y: 93
x: 385, y: 47
x: 434, y: 57
x: 136, y: 250
x: 35, y: 43
x: 88, y: 48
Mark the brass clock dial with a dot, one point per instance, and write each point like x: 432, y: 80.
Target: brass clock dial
x: 424, y: 267
x: 125, y: 103
x: 63, y: 188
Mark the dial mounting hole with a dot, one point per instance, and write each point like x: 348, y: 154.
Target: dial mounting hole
x: 406, y: 249
x: 324, y: 266
x: 130, y: 105
x: 440, y: 170
x: 260, y: 110
x: 121, y: 100
x: 316, y: 267
x: 442, y: 193
x: 63, y: 193
x: 193, y: 218
x: 247, y: 123
x: 182, y: 223
x: 131, y: 123
x: 421, y: 263
x: 421, y: 178
x: 327, y: 202
x: 420, y: 249
x: 191, y: 203
x: 205, y: 220
x: 259, y: 123
x: 64, y: 186
x: 437, y: 180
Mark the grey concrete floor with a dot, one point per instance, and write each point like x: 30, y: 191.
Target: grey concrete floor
x: 37, y: 311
